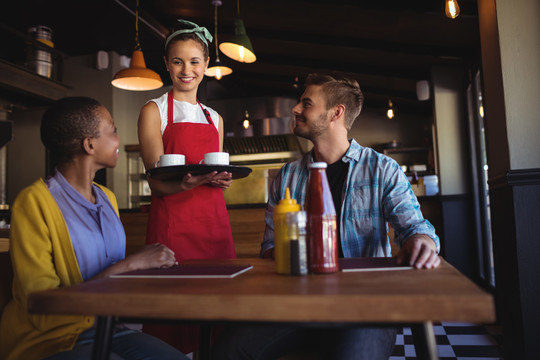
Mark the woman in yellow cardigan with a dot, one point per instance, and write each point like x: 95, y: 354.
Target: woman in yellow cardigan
x: 66, y: 230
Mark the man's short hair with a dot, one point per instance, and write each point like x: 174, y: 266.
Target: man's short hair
x: 339, y: 89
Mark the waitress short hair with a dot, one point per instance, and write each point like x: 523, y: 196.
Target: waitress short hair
x: 65, y: 125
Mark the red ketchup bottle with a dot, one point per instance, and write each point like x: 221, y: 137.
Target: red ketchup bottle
x: 321, y: 222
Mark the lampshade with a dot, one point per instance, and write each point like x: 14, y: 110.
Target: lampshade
x: 218, y: 70
x: 239, y: 47
x: 137, y: 76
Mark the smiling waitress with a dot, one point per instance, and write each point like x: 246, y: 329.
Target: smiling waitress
x: 188, y: 216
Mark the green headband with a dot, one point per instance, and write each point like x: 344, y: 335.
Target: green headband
x: 200, y: 31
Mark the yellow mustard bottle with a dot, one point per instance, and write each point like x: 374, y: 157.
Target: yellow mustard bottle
x: 281, y: 234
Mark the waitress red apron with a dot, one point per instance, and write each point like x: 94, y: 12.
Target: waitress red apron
x: 193, y: 223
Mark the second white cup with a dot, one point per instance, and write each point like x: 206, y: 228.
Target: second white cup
x: 215, y: 158
x: 171, y: 160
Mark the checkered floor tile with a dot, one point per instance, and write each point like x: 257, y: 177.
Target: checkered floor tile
x: 455, y: 341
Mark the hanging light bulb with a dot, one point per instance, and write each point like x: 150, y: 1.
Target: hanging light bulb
x: 295, y: 83
x: 480, y: 106
x: 390, y: 112
x: 137, y: 77
x: 239, y: 48
x: 217, y: 70
x: 451, y: 9
x: 246, y: 123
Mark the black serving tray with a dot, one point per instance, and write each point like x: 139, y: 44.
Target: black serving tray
x: 177, y: 172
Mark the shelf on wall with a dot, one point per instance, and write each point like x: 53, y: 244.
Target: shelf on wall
x: 21, y: 80
x: 138, y: 189
x: 413, y: 156
x: 405, y: 150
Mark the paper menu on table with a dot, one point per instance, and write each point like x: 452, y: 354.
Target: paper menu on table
x: 371, y: 264
x: 193, y: 271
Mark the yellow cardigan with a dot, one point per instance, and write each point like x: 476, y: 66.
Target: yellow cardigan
x: 43, y: 258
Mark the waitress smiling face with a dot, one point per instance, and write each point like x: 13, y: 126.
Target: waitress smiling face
x: 186, y: 63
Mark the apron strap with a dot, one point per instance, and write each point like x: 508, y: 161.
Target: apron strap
x: 206, y: 114
x: 170, y: 108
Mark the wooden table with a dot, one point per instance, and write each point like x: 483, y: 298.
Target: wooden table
x: 413, y: 298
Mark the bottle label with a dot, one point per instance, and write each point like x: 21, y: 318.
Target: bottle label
x: 322, y: 235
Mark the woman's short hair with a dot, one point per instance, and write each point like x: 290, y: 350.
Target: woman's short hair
x: 339, y: 89
x: 66, y: 124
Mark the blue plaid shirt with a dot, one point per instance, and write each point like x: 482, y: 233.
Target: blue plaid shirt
x: 376, y: 192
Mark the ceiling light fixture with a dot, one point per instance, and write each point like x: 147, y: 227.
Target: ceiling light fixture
x: 295, y: 83
x: 137, y: 77
x: 217, y: 70
x: 239, y: 48
x: 390, y: 112
x: 246, y: 122
x: 451, y: 9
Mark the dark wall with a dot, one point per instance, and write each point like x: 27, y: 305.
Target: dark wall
x: 458, y: 246
x: 516, y: 253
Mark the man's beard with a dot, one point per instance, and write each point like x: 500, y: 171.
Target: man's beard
x: 315, y: 130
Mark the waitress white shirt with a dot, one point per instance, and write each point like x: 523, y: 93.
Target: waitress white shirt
x: 184, y: 112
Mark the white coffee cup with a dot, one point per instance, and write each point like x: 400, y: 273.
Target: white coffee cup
x: 171, y: 160
x: 215, y: 158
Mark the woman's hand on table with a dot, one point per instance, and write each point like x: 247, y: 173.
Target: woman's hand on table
x: 152, y: 256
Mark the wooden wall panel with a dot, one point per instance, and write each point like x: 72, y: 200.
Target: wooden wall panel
x: 247, y: 226
x: 135, y: 228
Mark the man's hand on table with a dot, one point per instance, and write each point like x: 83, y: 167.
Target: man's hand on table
x: 419, y: 251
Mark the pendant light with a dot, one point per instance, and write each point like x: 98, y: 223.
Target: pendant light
x: 390, y: 112
x: 246, y: 122
x: 217, y: 70
x: 239, y: 48
x: 451, y: 9
x: 137, y: 77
